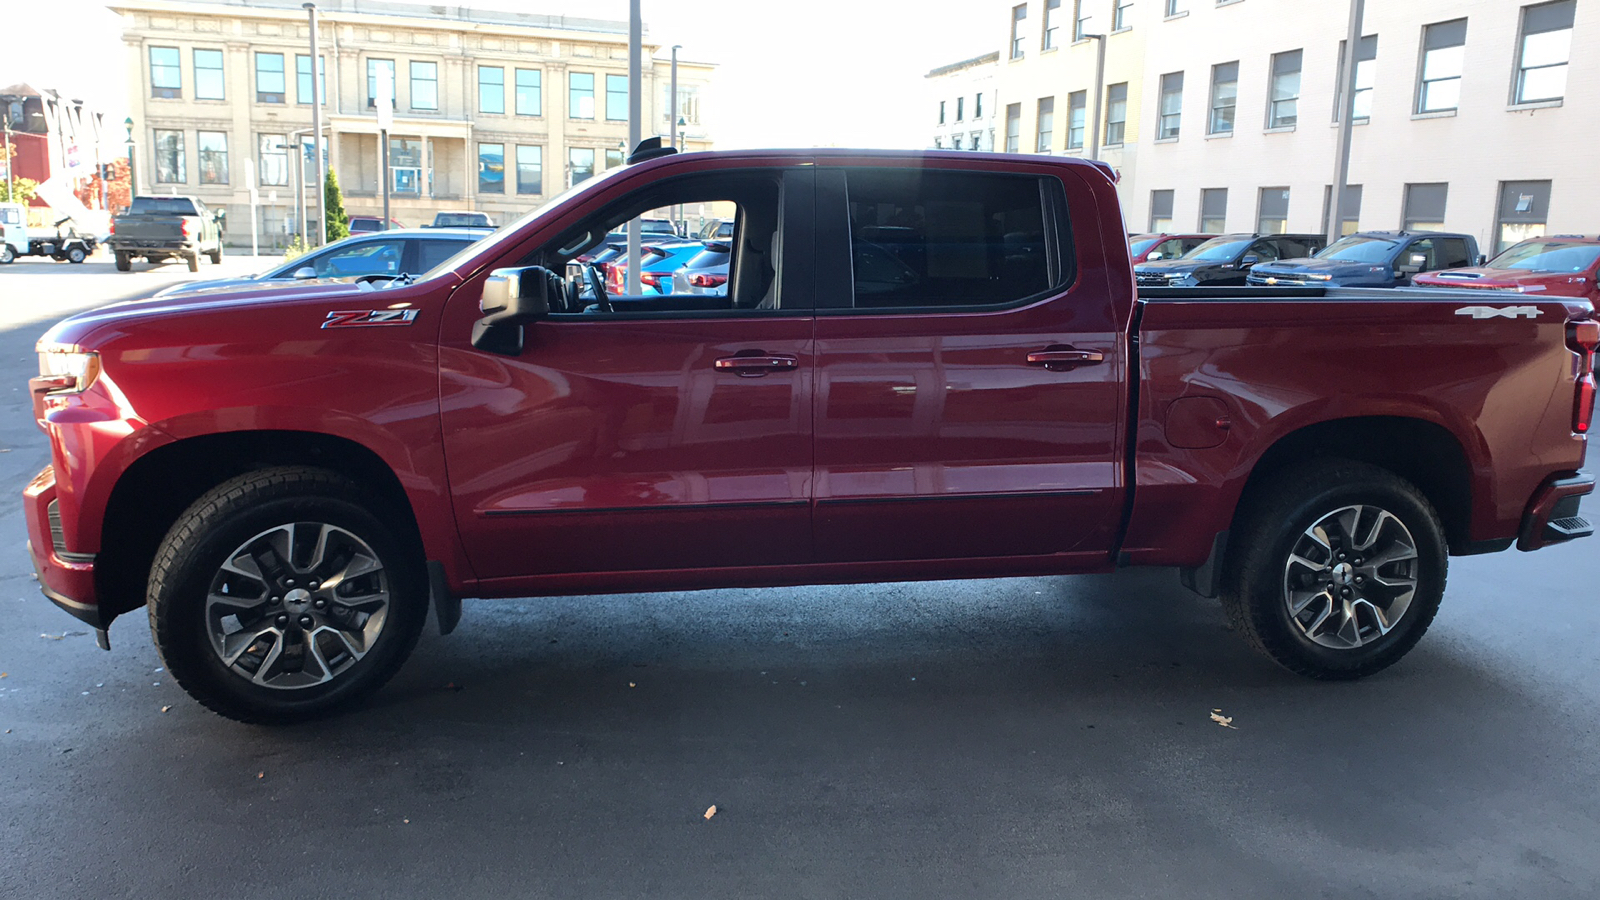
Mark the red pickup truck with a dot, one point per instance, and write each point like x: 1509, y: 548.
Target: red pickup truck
x: 925, y: 365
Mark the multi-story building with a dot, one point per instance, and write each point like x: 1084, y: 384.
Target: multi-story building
x: 965, y: 95
x: 55, y: 140
x: 493, y: 111
x: 1470, y: 115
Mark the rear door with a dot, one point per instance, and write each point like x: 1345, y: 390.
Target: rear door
x: 968, y: 399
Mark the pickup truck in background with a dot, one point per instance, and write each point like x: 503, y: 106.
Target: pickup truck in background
x: 1152, y: 247
x: 461, y: 220
x: 1372, y: 259
x: 1564, y: 265
x: 160, y: 228
x: 986, y: 395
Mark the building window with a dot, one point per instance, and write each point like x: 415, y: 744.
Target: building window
x: 491, y: 168
x: 941, y: 112
x: 530, y: 93
x: 405, y: 165
x: 1171, y: 117
x: 302, y: 79
x: 1349, y: 223
x: 955, y: 142
x: 1018, y: 14
x: 1424, y: 207
x: 1174, y: 7
x: 1077, y: 113
x: 977, y: 106
x: 613, y: 158
x: 1524, y: 209
x: 273, y: 157
x: 616, y: 98
x: 1160, y: 212
x: 580, y: 160
x: 270, y: 84
x: 1047, y: 124
x: 1444, y: 50
x: 166, y: 73
x: 492, y: 90
x: 213, y: 157
x: 424, y: 85
x: 1213, y: 210
x: 1050, y: 27
x: 961, y: 108
x: 530, y: 169
x: 1272, y: 211
x: 938, y: 143
x: 977, y: 140
x: 1546, y: 46
x: 1366, y: 56
x: 208, y: 78
x: 1116, y: 113
x: 1080, y: 21
x: 1283, y: 100
x: 169, y: 158
x: 373, y: 65
x: 1224, y: 97
x: 1119, y: 14
x: 1013, y: 128
x: 580, y: 101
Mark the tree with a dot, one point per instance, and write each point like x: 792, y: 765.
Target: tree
x: 25, y: 187
x: 117, y: 186
x: 338, y: 225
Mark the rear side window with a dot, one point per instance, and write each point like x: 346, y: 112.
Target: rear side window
x: 1294, y: 248
x: 931, y: 238
x: 1453, y: 254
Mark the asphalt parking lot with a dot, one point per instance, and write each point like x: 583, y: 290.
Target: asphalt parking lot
x: 1031, y: 737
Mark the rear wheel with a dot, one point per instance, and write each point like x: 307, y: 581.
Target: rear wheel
x: 216, y: 255
x: 194, y: 261
x: 278, y: 596
x: 77, y: 255
x: 1340, y: 569
x: 124, y: 261
x: 7, y: 255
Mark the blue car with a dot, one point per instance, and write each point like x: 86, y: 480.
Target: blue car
x: 1371, y: 259
x: 397, y: 251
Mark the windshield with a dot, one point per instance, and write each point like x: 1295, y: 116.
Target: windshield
x: 1356, y: 248
x: 1138, y: 247
x: 162, y: 206
x: 1218, y: 249
x: 1548, y: 256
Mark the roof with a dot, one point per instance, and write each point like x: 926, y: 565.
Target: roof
x: 447, y: 13
x: 964, y: 64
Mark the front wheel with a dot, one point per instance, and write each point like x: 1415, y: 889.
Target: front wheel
x: 194, y: 261
x: 124, y: 261
x: 216, y: 255
x: 278, y: 596
x: 7, y: 255
x: 1340, y: 569
x: 77, y: 255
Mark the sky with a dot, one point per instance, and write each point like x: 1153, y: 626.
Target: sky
x: 843, y: 73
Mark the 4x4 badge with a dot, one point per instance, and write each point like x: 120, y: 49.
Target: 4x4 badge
x: 351, y: 318
x: 1503, y: 312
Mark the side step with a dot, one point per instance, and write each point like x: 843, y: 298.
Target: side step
x: 1569, y: 528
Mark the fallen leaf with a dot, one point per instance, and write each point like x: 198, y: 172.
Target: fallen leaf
x: 1220, y: 719
x: 165, y: 708
x: 3, y: 674
x: 407, y: 821
x: 711, y: 811
x: 261, y: 774
x: 52, y: 637
x: 631, y: 684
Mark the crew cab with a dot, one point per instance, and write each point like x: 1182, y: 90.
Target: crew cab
x: 1372, y: 259
x: 922, y: 366
x: 1225, y: 260
x: 1151, y: 247
x: 161, y: 228
x: 1566, y: 265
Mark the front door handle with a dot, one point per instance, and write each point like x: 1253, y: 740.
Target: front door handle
x: 1060, y: 359
x: 755, y: 366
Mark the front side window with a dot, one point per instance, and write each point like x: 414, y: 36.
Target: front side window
x: 373, y: 65
x: 1284, y: 97
x: 1171, y: 118
x: 1013, y: 127
x: 580, y: 163
x: 363, y: 258
x: 1160, y: 211
x: 424, y: 85
x: 166, y: 73
x: 1424, y: 206
x: 1077, y: 117
x: 1224, y: 97
x: 1051, y: 8
x: 580, y: 96
x: 1018, y: 14
x: 1546, y: 47
x: 491, y: 168
x: 208, y: 77
x: 1213, y: 210
x: 530, y: 92
x: 1047, y: 124
x: 270, y: 84
x: 302, y: 80
x: 935, y: 239
x: 617, y: 98
x: 170, y: 158
x: 1524, y: 210
x: 530, y: 169
x: 1116, y: 114
x: 492, y: 90
x: 273, y: 153
x: 1273, y: 215
x: 1444, y: 52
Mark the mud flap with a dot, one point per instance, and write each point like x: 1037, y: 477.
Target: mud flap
x: 446, y: 606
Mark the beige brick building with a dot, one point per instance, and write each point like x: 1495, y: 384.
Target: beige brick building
x: 494, y: 111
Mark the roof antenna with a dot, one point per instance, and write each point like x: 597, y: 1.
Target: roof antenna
x: 650, y: 148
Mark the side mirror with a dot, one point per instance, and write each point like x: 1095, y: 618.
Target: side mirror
x: 1155, y: 256
x: 1419, y: 259
x: 1482, y: 260
x: 1250, y: 260
x: 219, y: 215
x: 305, y: 272
x: 511, y: 298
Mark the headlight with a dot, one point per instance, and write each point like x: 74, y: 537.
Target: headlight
x: 1320, y: 276
x: 68, y: 372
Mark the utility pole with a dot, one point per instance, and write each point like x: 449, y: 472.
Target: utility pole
x: 316, y: 130
x: 385, y: 104
x: 1347, y: 116
x: 672, y: 116
x: 1099, y: 93
x: 635, y: 133
x: 133, y: 174
x: 11, y: 190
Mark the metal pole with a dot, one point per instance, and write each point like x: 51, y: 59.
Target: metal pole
x: 300, y: 186
x: 672, y: 116
x: 11, y: 190
x: 635, y: 133
x: 316, y: 130
x: 1099, y: 93
x: 383, y: 135
x: 1347, y: 116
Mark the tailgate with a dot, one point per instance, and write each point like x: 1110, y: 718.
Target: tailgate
x: 149, y: 230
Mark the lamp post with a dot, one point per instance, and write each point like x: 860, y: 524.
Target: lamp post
x: 11, y: 191
x: 1099, y: 91
x: 316, y: 130
x: 672, y: 107
x: 133, y: 177
x: 1347, y: 114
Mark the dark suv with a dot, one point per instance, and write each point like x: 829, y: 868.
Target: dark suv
x: 1224, y: 260
x: 1373, y: 259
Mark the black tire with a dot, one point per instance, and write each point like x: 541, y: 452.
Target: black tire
x: 188, y: 565
x: 7, y: 255
x: 194, y: 261
x: 76, y: 255
x: 124, y: 261
x: 1274, y: 521
x: 216, y: 256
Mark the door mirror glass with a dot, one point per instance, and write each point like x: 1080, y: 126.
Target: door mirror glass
x: 511, y: 298
x: 1250, y: 259
x: 1155, y: 255
x: 305, y: 272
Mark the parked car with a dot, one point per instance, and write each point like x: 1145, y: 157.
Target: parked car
x: 1224, y: 260
x: 160, y: 228
x: 1372, y: 259
x: 1151, y: 247
x: 716, y: 230
x: 406, y: 250
x: 366, y: 224
x: 461, y: 220
x: 1564, y: 265
x: 62, y: 243
x: 657, y: 262
x: 284, y: 480
x: 705, y: 272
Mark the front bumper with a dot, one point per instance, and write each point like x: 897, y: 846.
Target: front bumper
x: 1552, y: 515
x: 66, y: 578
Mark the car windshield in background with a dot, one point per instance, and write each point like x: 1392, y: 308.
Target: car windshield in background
x: 1218, y: 249
x: 1358, y: 249
x: 1139, y: 247
x: 444, y: 220
x: 162, y: 206
x: 1548, y: 256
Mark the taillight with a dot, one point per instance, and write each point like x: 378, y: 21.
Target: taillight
x: 188, y: 228
x: 113, y: 226
x: 651, y: 278
x: 708, y: 280
x: 1584, y: 338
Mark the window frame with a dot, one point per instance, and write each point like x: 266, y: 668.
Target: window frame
x: 1261, y: 209
x: 611, y: 79
x: 1276, y: 120
x: 1162, y: 132
x: 201, y: 154
x: 1202, y: 217
x: 539, y: 185
x: 1013, y: 128
x: 413, y: 81
x: 480, y: 158
x: 484, y: 107
x: 1077, y: 118
x: 1409, y: 222
x: 221, y: 69
x: 1233, y: 107
x: 1044, y: 136
x: 1519, y: 71
x: 1122, y: 123
x: 321, y: 75
x: 282, y: 73
x: 1170, y: 195
x: 574, y: 94
x: 1047, y: 36
x: 182, y: 156
x: 264, y: 151
x: 1019, y: 14
x: 1119, y: 15
x: 174, y: 68
x: 1419, y: 104
x: 1364, y: 63
x: 572, y: 166
x: 373, y: 63
x: 537, y: 89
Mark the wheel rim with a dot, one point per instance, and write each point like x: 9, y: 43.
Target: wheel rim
x: 1350, y: 577
x: 297, y: 606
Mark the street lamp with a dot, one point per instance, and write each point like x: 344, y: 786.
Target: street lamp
x: 672, y: 108
x: 133, y: 177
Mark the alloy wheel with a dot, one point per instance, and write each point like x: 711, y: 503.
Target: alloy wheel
x: 1350, y: 577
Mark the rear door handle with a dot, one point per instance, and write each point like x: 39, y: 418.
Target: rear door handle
x: 1057, y: 360
x: 755, y: 366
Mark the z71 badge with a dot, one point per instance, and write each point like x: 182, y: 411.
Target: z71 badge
x: 352, y: 318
